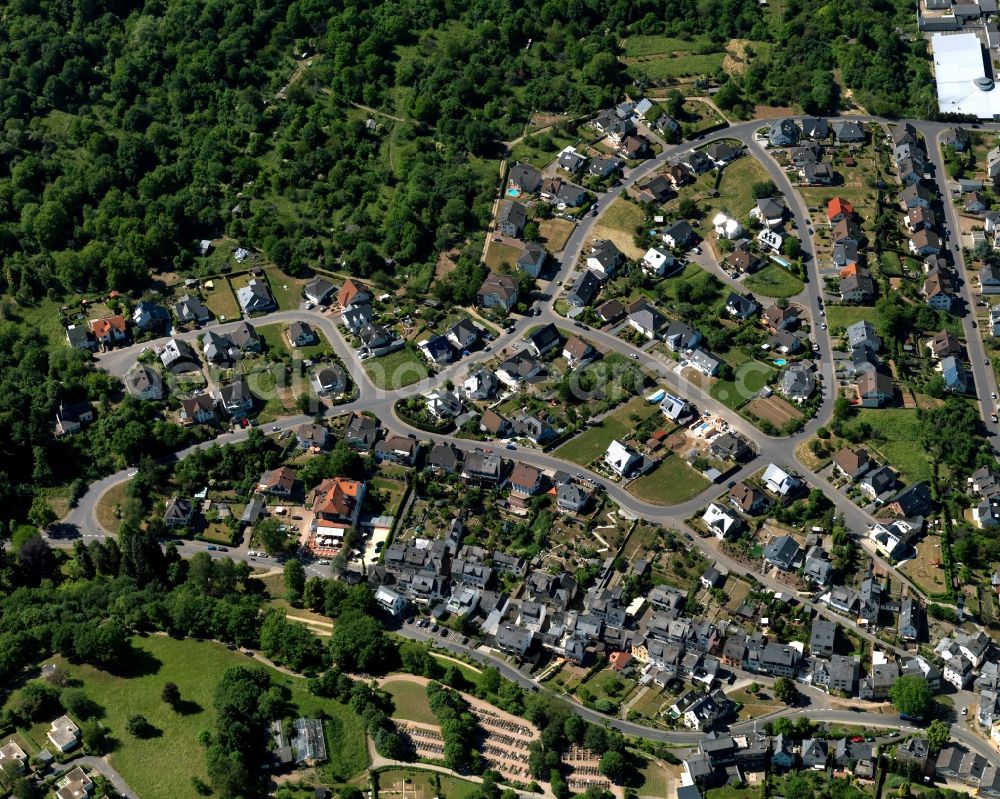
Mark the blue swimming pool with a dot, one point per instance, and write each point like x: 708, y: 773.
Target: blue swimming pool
x: 780, y: 361
x: 513, y: 192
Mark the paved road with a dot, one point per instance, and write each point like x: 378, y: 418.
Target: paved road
x: 779, y: 450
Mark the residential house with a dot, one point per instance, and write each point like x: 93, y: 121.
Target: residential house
x: 13, y: 759
x: 463, y: 334
x: 739, y: 306
x: 585, y: 289
x: 533, y: 427
x: 336, y: 506
x: 989, y: 279
x: 613, y: 310
x: 676, y: 174
x: 779, y: 482
x: 770, y: 211
x: 958, y: 671
x: 277, y: 482
x: 944, y: 344
x: 621, y: 459
x: 498, y: 291
x: 678, y: 234
x: 817, y: 566
x: 511, y: 219
x: 143, y: 382
x: 797, y: 380
x: 443, y: 404
x: 726, y: 227
x: 912, y: 620
x: 875, y: 390
x: 329, y: 380
x: 820, y: 174
x: 675, y: 409
x: 892, y: 540
x: 914, y: 196
x: 741, y: 262
x: 721, y: 522
x: 852, y: 463
x: 822, y: 637
x: 782, y: 551
x: 300, y: 334
x: 602, y: 167
x: 915, y: 500
x: 361, y: 432
x: 920, y: 218
x: 939, y: 290
x: 862, y: 334
x: 525, y: 178
x: 858, y: 287
x: 809, y: 153
x: 480, y: 385
x: 318, y: 290
x: 79, y: 337
x: 220, y: 350
x: 352, y: 292
x: 177, y: 356
x: 445, y: 459
x: 151, y: 317
x: 770, y: 240
x: 780, y: 660
x: 604, y: 259
x: 63, y: 734
x: 655, y: 190
x: 847, y: 230
x: 245, y: 337
x: 255, y: 297
x: 879, y: 482
x: 746, y: 498
x: 955, y: 377
x: 572, y: 498
x: 704, y: 362
x: 109, y: 331
x: 518, y: 369
x: 721, y: 153
x: 178, y: 512
x: 197, y: 409
x: 849, y: 132
x: 915, y: 750
x: 532, y: 259
x: 397, y: 449
x: 190, y: 310
x: 778, y: 318
x: 311, y: 435
x: 577, y: 352
x: 731, y: 447
x: 235, y: 398
x: 437, y: 349
x: 815, y: 128
x: 925, y: 242
x: 975, y: 203
x: 482, y: 468
x: 543, y: 340
x: 783, y: 133
x: 525, y: 480
x: 644, y: 318
x: 657, y: 263
x: 813, y: 753
x: 697, y: 162
x: 571, y: 161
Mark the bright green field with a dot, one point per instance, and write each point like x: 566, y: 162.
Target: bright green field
x: 671, y: 482
x: 161, y: 767
x: 277, y: 342
x: 773, y: 281
x: 736, y: 187
x: 410, y: 701
x: 593, y: 442
x: 750, y: 378
x: 654, y: 45
x: 397, y: 369
x: 679, y: 66
x: 901, y: 447
x: 841, y: 316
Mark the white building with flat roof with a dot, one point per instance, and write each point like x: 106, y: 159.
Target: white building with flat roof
x: 960, y: 71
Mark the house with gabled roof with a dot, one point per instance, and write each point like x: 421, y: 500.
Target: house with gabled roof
x: 353, y: 292
x: 144, y: 382
x: 544, y: 339
x: 277, y: 482
x: 255, y: 297
x: 498, y: 291
x: 512, y: 218
x: 190, y: 309
x: 532, y: 258
x: 318, y: 290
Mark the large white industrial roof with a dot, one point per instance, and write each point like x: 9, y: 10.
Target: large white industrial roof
x: 962, y: 85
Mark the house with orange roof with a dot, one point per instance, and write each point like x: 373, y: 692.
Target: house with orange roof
x: 279, y: 482
x: 619, y: 660
x: 353, y: 293
x: 851, y: 270
x: 837, y: 209
x: 336, y: 505
x: 110, y: 330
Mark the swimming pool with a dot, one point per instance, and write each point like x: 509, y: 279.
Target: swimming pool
x: 513, y: 192
x: 780, y: 361
x: 659, y: 395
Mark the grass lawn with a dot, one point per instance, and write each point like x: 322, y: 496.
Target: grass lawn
x: 397, y: 369
x: 392, y: 490
x: 672, y: 481
x: 45, y: 316
x: 839, y: 317
x: 593, y: 442
x: 736, y: 187
x: 410, y: 702
x: 773, y: 281
x: 678, y: 66
x: 161, y: 767
x: 106, y: 507
x: 755, y: 706
x: 898, y: 440
x: 655, y: 45
x: 499, y: 254
x: 555, y: 232
x: 921, y: 569
x: 541, y: 148
x: 698, y: 278
x: 277, y: 343
x: 733, y: 792
x: 749, y: 378
x: 221, y: 301
x: 287, y: 291
x: 618, y: 224
x: 412, y: 783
